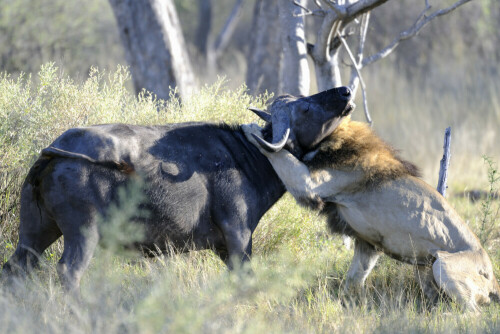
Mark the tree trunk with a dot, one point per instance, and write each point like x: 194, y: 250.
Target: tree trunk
x: 154, y: 46
x: 215, y: 49
x: 328, y: 71
x: 294, y: 76
x: 204, y: 25
x: 264, y: 55
x: 325, y: 53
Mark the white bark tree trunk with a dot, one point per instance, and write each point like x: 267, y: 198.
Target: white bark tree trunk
x: 326, y: 53
x: 294, y: 72
x: 327, y: 70
x: 154, y: 46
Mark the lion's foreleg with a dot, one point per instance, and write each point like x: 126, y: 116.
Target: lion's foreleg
x: 295, y: 175
x: 364, y: 259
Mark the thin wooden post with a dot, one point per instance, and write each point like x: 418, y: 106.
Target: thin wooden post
x: 445, y: 163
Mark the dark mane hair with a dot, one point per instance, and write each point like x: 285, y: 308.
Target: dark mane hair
x: 354, y: 146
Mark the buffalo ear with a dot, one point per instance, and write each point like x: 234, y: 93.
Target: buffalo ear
x: 264, y: 115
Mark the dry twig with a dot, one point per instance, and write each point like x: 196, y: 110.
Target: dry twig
x: 363, y: 86
x: 339, y: 10
x: 317, y: 12
x: 421, y: 22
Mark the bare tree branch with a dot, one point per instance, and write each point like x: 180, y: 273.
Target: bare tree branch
x: 361, y: 7
x: 325, y: 51
x: 338, y: 13
x: 339, y: 10
x: 318, y: 4
x: 363, y: 86
x: 308, y: 11
x: 421, y: 22
x: 365, y: 21
x: 318, y: 12
x: 329, y: 27
x: 354, y: 81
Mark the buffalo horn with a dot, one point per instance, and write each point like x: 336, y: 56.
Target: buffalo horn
x: 264, y: 115
x: 275, y: 147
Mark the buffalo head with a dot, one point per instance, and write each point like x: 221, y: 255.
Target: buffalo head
x: 302, y: 122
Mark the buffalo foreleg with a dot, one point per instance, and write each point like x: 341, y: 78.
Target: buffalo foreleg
x: 238, y: 245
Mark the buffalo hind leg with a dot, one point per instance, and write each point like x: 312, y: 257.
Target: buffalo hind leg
x: 79, y: 247
x: 27, y: 254
x: 364, y: 259
x: 36, y: 232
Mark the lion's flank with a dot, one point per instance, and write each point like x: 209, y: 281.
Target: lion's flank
x: 354, y: 146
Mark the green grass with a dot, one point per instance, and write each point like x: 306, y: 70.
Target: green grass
x: 298, y: 267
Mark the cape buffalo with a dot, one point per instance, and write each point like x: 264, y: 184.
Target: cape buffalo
x: 365, y: 190
x: 206, y: 186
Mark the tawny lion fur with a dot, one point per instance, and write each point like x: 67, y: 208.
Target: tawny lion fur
x: 353, y: 146
x: 367, y: 191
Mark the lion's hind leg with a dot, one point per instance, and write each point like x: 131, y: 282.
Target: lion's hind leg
x: 364, y: 259
x: 460, y: 276
x: 425, y: 278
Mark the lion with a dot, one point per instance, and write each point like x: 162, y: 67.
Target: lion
x: 368, y: 192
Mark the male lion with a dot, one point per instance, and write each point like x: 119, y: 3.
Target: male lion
x: 368, y: 192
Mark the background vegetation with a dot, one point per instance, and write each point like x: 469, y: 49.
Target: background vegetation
x: 447, y: 76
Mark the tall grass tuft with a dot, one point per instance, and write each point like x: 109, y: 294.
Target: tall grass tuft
x: 490, y: 209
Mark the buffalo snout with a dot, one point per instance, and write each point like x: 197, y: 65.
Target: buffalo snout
x: 302, y: 122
